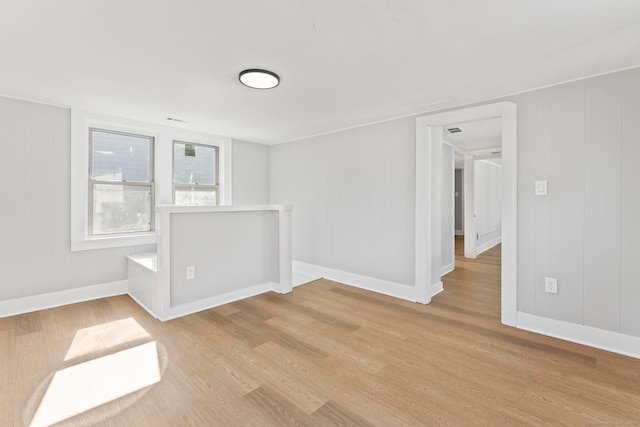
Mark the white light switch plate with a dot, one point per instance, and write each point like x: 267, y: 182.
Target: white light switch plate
x: 541, y: 188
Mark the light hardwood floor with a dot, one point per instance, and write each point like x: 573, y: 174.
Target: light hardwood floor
x: 326, y: 354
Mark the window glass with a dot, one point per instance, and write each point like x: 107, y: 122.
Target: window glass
x: 195, y: 174
x: 120, y: 157
x: 119, y: 208
x: 195, y: 197
x: 194, y: 164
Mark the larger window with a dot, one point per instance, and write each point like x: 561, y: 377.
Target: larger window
x: 195, y: 174
x: 121, y: 180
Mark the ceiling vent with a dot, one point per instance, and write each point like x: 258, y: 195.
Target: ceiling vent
x: 454, y: 130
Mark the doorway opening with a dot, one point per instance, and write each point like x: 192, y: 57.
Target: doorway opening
x: 474, y: 151
x: 429, y: 201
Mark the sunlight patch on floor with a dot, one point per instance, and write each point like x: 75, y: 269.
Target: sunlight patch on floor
x: 88, y: 385
x: 105, y: 336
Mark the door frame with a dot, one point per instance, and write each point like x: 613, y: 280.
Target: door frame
x: 428, y: 199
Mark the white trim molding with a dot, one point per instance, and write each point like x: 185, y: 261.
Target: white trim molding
x: 485, y: 247
x: 436, y: 289
x: 215, y: 301
x: 29, y: 304
x: 306, y: 273
x: 447, y: 269
x: 428, y: 199
x: 593, y: 337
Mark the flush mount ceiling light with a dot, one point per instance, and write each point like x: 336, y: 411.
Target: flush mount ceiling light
x: 259, y: 79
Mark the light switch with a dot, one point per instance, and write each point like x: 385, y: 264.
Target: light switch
x: 541, y: 188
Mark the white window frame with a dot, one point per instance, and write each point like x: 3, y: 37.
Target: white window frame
x: 164, y: 136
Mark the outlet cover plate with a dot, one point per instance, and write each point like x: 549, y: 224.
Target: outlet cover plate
x: 551, y: 285
x: 191, y: 272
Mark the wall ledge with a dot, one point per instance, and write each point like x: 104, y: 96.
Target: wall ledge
x: 614, y: 342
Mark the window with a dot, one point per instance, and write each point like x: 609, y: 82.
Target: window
x: 121, y: 169
x: 195, y: 174
x: 121, y: 184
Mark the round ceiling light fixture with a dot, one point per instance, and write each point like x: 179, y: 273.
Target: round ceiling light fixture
x: 259, y: 79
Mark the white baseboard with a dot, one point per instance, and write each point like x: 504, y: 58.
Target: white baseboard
x: 488, y: 245
x: 207, y: 303
x: 314, y: 272
x: 302, y: 278
x: 141, y: 304
x: 16, y: 306
x: 447, y: 269
x: 459, y: 233
x: 436, y: 289
x: 593, y: 337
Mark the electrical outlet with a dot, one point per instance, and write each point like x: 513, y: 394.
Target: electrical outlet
x: 191, y: 272
x: 551, y: 285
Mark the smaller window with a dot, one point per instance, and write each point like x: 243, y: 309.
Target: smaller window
x: 195, y: 174
x: 120, y: 183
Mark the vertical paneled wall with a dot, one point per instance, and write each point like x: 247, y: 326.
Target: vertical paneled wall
x: 630, y: 229
x: 250, y: 173
x: 35, y: 248
x: 567, y: 185
x: 230, y: 251
x: 353, y: 199
x: 488, y: 204
x: 602, y: 201
x: 583, y: 138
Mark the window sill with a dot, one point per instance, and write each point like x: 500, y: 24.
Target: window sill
x: 118, y: 241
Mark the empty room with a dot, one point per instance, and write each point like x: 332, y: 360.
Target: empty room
x: 315, y: 213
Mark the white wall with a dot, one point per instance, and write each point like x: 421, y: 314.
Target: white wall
x: 353, y: 199
x: 582, y: 137
x: 249, y: 258
x: 488, y: 204
x: 250, y: 173
x: 35, y: 249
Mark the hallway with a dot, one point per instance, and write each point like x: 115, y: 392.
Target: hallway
x: 475, y: 283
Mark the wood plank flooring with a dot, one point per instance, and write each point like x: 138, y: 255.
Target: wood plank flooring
x: 326, y: 354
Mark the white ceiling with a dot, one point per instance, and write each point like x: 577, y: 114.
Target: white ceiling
x: 343, y: 63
